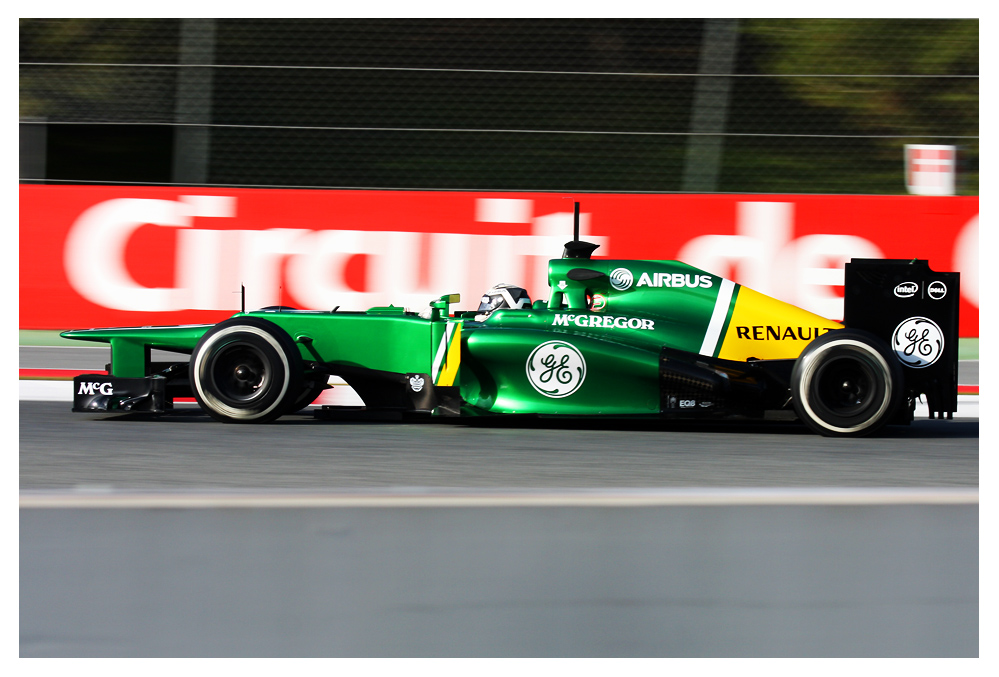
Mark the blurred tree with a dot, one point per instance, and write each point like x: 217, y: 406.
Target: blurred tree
x: 99, y: 93
x: 605, y: 102
x: 931, y: 107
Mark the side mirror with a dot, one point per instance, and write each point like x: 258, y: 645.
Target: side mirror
x: 442, y: 304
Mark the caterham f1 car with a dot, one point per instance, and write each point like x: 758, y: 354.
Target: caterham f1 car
x: 615, y: 338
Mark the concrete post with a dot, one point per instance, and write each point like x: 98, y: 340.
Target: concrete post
x: 707, y: 120
x: 191, y: 144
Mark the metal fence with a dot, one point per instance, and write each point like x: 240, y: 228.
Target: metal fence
x: 803, y: 106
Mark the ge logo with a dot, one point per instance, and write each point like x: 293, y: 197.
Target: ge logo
x: 621, y: 278
x: 918, y: 342
x: 556, y: 369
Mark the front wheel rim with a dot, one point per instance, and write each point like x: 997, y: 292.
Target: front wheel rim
x: 239, y: 373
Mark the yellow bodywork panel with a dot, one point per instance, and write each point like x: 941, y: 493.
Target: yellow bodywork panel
x: 768, y: 329
x: 451, y: 345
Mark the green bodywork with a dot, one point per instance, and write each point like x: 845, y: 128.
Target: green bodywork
x: 639, y: 312
x: 386, y: 339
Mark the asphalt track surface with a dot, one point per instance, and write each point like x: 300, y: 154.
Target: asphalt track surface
x: 186, y: 449
x: 410, y: 574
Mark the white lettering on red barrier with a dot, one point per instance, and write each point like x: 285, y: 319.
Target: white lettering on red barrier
x: 212, y: 264
x: 316, y: 267
x: 966, y: 260
x: 94, y: 255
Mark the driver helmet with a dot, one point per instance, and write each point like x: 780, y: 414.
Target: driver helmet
x: 504, y: 296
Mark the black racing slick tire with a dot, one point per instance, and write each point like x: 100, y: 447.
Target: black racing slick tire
x: 846, y: 383
x: 246, y: 370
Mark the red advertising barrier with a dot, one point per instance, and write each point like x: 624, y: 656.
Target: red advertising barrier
x: 123, y: 256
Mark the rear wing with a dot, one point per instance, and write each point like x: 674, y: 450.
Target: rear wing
x: 915, y: 311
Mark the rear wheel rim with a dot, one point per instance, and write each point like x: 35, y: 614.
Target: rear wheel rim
x: 846, y: 387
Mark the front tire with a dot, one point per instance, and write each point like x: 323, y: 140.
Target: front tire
x: 846, y: 383
x: 246, y: 370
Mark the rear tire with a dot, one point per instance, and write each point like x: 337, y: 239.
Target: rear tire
x: 846, y: 383
x: 246, y: 370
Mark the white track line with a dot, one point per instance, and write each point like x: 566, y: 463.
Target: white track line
x: 45, y: 391
x: 511, y: 498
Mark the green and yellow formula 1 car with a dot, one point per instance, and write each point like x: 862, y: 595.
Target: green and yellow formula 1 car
x: 616, y: 338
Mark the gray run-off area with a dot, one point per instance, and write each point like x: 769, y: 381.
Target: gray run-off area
x: 819, y: 580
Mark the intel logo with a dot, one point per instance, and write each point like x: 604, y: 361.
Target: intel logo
x: 906, y: 289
